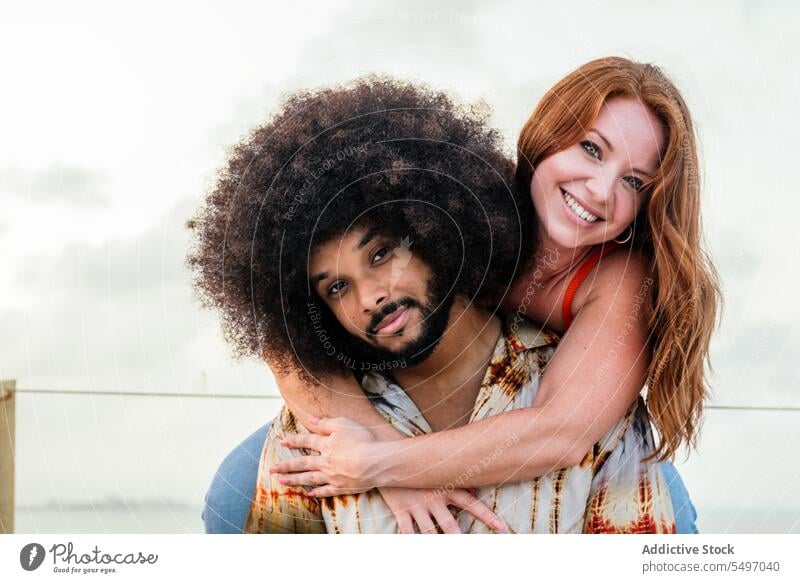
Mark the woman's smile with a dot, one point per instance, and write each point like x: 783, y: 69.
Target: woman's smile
x: 578, y: 211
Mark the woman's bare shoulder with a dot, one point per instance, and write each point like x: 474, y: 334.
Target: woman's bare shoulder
x: 624, y: 262
x: 624, y: 273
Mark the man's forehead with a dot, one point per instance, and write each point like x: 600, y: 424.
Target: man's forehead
x: 351, y: 242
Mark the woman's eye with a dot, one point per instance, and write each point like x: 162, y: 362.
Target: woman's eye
x: 336, y: 288
x: 636, y: 183
x: 380, y: 254
x: 592, y: 149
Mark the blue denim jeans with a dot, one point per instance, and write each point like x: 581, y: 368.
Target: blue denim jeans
x: 231, y: 492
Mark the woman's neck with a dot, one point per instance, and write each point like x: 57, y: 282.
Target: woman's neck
x: 553, y: 261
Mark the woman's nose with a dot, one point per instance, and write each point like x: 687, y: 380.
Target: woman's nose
x: 601, y: 189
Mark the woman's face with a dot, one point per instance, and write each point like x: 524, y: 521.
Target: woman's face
x: 590, y: 192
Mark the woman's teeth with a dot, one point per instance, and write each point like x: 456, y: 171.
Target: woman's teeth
x: 577, y: 208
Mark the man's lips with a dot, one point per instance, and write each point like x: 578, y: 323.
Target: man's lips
x: 393, y: 321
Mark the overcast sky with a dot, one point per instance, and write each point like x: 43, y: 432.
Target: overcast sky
x: 115, y: 116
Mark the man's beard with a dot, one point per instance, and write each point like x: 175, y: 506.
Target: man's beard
x: 434, y: 321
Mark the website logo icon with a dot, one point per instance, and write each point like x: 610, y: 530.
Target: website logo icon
x: 31, y: 556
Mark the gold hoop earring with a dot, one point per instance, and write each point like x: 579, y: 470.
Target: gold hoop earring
x: 626, y: 239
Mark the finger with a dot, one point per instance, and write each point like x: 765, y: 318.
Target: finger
x: 322, y: 425
x: 304, y: 479
x: 304, y: 463
x: 331, y: 490
x: 306, y: 440
x: 424, y: 522
x: 445, y: 520
x: 404, y: 523
x: 325, y: 491
x: 478, y: 509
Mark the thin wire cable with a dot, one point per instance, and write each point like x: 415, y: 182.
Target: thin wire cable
x: 146, y: 394
x: 750, y: 408
x: 245, y: 396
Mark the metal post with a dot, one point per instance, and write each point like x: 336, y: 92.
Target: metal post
x: 7, y: 428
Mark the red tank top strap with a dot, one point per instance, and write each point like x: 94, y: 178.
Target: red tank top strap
x: 580, y: 275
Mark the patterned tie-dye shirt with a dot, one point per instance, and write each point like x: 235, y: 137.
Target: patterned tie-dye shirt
x: 612, y: 490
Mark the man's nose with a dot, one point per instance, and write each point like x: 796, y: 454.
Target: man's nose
x: 373, y: 295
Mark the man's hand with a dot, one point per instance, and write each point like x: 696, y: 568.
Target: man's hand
x: 428, y: 508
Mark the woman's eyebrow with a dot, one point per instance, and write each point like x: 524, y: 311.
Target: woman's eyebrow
x: 611, y: 148
x: 602, y: 137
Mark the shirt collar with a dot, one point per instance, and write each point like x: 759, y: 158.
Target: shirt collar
x: 522, y: 334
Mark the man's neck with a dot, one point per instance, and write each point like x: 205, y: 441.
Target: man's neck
x: 446, y: 384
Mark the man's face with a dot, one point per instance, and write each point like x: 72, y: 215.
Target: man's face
x: 382, y: 293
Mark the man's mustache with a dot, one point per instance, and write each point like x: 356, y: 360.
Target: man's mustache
x: 388, y: 309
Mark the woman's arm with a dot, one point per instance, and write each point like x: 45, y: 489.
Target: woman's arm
x: 334, y: 396
x: 342, y: 395
x: 596, y: 374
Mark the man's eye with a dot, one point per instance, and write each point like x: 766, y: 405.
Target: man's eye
x: 636, y: 183
x: 592, y: 149
x: 336, y: 288
x: 381, y: 253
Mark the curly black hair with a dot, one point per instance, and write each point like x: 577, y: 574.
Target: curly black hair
x: 373, y: 152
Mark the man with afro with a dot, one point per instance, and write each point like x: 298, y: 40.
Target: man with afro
x: 377, y: 153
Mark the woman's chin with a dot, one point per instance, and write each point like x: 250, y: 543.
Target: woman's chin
x: 569, y: 237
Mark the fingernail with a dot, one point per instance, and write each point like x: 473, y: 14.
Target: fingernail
x: 272, y: 470
x: 282, y: 480
x: 499, y: 526
x: 314, y: 419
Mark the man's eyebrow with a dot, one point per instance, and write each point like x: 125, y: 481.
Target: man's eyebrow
x: 366, y: 238
x: 610, y: 147
x: 318, y: 278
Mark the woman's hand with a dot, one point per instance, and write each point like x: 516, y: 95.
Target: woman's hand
x: 345, y: 464
x: 429, y: 508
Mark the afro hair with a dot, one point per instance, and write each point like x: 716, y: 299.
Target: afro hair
x: 377, y: 152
